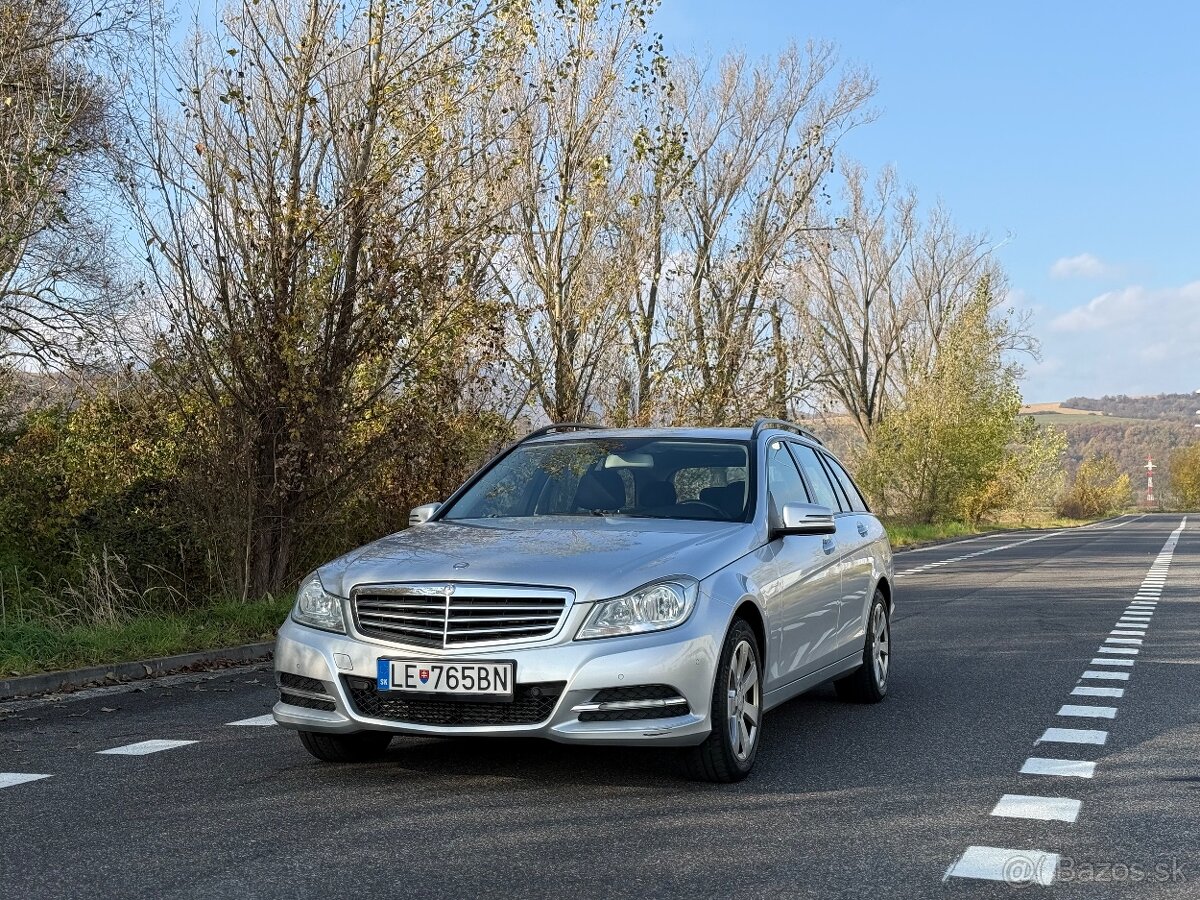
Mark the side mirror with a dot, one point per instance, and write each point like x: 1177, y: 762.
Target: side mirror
x: 423, y: 513
x: 805, y: 518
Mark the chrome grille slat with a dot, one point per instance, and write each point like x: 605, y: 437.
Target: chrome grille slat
x: 470, y: 615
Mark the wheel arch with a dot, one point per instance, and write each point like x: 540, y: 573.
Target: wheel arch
x: 749, y: 612
x: 886, y: 587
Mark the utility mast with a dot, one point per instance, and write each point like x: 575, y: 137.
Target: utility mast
x: 1150, y: 467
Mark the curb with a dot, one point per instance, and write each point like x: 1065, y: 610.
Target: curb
x: 74, y: 679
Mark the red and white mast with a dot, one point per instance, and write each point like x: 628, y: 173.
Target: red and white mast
x: 1150, y: 467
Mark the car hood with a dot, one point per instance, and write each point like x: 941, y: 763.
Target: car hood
x: 595, y: 557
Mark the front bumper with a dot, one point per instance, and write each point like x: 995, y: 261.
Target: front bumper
x: 684, y: 658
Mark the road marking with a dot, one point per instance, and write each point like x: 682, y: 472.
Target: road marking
x: 1111, y: 676
x: 945, y: 562
x: 1046, y: 809
x: 1113, y: 640
x: 1117, y: 650
x: 9, y: 779
x: 1073, y: 736
x: 1089, y: 712
x: 1111, y: 662
x: 268, y: 719
x: 1127, y: 633
x: 1011, y: 866
x: 143, y: 747
x: 1098, y: 692
x: 1065, y: 768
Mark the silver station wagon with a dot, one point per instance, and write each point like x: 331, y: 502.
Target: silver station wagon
x: 601, y: 586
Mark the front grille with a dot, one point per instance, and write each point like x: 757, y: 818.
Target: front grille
x: 428, y: 616
x: 300, y: 682
x: 532, y: 703
x: 306, y: 702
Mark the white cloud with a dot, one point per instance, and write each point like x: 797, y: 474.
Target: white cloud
x: 1135, y: 340
x: 1085, y: 265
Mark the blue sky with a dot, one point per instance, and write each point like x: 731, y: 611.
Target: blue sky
x: 1068, y: 130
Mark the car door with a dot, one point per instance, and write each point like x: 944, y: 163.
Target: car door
x: 859, y: 570
x: 847, y: 549
x: 806, y: 590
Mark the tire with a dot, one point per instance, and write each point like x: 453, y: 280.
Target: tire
x: 869, y: 682
x: 360, y: 746
x: 718, y: 759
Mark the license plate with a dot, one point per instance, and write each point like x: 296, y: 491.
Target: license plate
x: 491, y: 680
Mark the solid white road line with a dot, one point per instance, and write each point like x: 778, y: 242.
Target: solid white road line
x: 143, y: 747
x: 1066, y: 768
x: 268, y: 719
x: 8, y: 779
x: 1045, y: 809
x: 1089, y: 712
x: 1073, y: 736
x: 1098, y: 692
x: 1111, y: 662
x: 1011, y: 866
x: 1110, y: 676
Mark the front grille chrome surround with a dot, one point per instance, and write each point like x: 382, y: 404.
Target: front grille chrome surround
x: 452, y: 615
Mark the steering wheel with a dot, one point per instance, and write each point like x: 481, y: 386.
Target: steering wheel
x: 709, y: 506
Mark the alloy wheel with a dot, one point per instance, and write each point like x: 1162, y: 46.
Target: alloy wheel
x: 745, y: 701
x: 882, y: 651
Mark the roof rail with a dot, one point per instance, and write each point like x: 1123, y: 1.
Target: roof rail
x: 762, y: 425
x: 558, y: 426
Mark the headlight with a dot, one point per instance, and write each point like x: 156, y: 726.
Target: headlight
x: 317, y: 607
x: 654, y: 607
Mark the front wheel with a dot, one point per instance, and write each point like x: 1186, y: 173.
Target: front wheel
x: 727, y: 754
x: 359, y: 746
x: 869, y: 682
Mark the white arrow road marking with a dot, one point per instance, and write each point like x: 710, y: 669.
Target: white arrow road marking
x: 143, y: 747
x: 268, y: 719
x: 9, y: 779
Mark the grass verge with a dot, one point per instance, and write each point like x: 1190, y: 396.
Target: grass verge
x: 905, y: 535
x: 30, y: 646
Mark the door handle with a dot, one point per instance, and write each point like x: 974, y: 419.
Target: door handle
x: 828, y: 545
x: 862, y: 529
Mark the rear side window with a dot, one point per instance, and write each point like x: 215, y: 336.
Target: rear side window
x: 857, y: 503
x: 817, y: 477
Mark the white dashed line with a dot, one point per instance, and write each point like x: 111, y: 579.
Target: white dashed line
x: 1111, y: 662
x: 143, y: 747
x: 1089, y: 712
x: 1133, y: 641
x: 1073, y: 736
x: 1065, y: 768
x: 268, y: 719
x: 1045, y: 809
x: 1111, y: 676
x: 1010, y: 866
x: 1098, y: 692
x: 10, y: 779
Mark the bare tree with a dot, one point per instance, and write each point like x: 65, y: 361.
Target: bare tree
x: 566, y: 270
x: 318, y: 223
x: 762, y: 138
x: 878, y: 287
x: 55, y: 138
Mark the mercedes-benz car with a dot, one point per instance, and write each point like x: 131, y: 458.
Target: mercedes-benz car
x: 588, y: 585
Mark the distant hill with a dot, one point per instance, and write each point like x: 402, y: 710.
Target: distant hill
x: 1128, y: 428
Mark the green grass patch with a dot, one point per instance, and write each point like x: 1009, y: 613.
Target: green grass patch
x: 30, y: 645
x: 904, y: 535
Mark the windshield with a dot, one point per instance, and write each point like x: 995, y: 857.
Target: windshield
x: 660, y: 478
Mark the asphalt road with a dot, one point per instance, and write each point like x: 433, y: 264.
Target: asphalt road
x: 991, y: 639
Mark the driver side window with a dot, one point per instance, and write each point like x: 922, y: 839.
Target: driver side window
x: 784, y: 484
